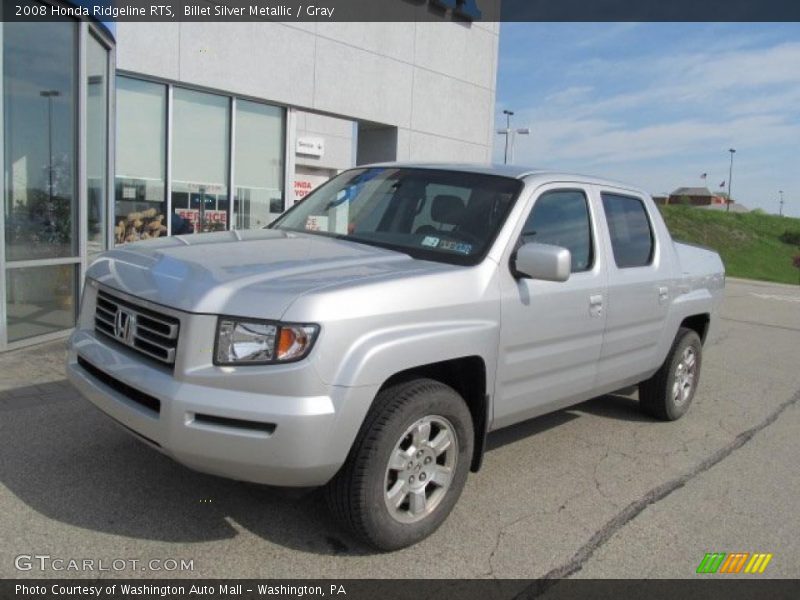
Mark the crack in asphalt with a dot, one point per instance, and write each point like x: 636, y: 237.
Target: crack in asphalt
x: 499, y: 539
x: 760, y: 324
x: 630, y: 512
x: 505, y: 528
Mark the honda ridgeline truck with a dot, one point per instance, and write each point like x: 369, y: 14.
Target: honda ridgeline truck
x: 371, y: 337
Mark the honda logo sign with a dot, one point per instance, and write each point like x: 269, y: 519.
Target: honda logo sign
x: 125, y: 326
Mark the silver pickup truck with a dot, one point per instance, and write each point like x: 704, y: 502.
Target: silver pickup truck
x: 372, y: 336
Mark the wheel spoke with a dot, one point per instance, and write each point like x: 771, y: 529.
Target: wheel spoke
x: 399, y: 460
x: 418, y: 502
x: 689, y: 360
x: 441, y: 476
x: 422, y: 433
x: 441, y: 442
x: 397, y: 493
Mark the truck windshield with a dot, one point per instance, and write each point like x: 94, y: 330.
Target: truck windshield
x: 440, y: 215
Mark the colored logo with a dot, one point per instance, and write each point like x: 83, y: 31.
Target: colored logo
x: 735, y: 562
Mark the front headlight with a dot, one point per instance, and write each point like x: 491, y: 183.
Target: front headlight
x: 249, y: 342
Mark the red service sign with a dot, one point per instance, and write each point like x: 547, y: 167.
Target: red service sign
x: 302, y: 187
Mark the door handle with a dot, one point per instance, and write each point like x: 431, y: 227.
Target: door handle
x: 595, y: 305
x: 663, y: 294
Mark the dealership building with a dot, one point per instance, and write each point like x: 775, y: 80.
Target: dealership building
x: 121, y: 132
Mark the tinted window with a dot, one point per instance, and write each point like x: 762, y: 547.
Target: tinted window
x: 258, y: 149
x: 631, y: 236
x: 96, y: 144
x: 140, y: 205
x: 200, y: 146
x: 561, y: 218
x: 39, y: 100
x: 430, y: 214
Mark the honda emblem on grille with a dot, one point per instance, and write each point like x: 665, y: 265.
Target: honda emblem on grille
x: 124, y: 326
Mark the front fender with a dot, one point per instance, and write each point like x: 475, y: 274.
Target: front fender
x: 379, y: 354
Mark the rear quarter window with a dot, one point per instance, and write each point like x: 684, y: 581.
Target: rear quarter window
x: 631, y: 232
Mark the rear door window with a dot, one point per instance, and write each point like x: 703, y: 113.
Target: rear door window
x: 629, y: 227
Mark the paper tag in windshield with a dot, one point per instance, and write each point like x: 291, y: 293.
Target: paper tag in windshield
x: 430, y: 241
x: 316, y: 223
x: 459, y: 247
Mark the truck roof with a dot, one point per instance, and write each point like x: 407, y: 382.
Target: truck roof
x: 513, y: 171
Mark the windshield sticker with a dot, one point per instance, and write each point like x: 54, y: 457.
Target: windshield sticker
x: 430, y: 241
x: 316, y: 223
x: 459, y: 247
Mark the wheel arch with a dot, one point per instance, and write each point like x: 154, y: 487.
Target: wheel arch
x: 467, y: 376
x: 698, y: 323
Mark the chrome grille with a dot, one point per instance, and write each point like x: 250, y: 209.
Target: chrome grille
x: 146, y: 331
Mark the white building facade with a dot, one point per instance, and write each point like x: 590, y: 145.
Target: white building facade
x: 215, y: 126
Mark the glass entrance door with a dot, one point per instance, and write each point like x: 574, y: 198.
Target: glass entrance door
x: 40, y: 205
x: 55, y: 173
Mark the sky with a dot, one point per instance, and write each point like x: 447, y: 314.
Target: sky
x: 658, y: 104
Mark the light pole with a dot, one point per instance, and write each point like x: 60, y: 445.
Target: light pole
x: 780, y: 210
x: 50, y: 94
x: 508, y: 114
x: 730, y: 177
x: 509, y: 133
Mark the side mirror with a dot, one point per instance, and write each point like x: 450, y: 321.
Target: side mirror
x: 543, y: 261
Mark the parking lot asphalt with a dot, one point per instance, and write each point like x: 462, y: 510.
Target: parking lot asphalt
x: 598, y: 490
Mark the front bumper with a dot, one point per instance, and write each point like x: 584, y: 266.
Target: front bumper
x: 260, y: 437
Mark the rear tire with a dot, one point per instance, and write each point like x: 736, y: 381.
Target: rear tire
x: 668, y: 394
x: 407, y: 467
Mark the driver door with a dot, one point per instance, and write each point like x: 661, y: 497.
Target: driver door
x: 552, y: 332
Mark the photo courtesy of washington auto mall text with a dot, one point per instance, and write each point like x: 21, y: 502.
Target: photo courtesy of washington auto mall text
x: 400, y: 299
x: 110, y: 589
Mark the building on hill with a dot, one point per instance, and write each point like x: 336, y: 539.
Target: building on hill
x: 695, y: 196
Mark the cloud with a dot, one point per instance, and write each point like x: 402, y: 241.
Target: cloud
x: 602, y: 142
x: 665, y: 112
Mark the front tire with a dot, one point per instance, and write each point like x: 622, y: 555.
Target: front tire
x: 668, y: 394
x: 407, y: 467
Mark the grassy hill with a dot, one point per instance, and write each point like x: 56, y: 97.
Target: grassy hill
x: 749, y: 243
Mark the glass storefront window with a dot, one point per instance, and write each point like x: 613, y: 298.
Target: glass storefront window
x: 200, y: 159
x: 55, y: 111
x: 258, y: 155
x: 96, y: 144
x: 40, y: 300
x: 200, y: 147
x: 140, y: 206
x: 39, y: 73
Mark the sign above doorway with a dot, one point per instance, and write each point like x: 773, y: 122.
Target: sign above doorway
x: 310, y: 146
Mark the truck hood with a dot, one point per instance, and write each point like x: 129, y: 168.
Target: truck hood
x: 243, y: 273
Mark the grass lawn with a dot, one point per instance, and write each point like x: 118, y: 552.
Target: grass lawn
x: 749, y: 243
